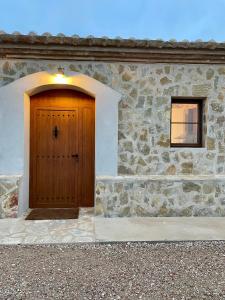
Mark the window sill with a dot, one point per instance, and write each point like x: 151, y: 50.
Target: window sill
x: 201, y: 149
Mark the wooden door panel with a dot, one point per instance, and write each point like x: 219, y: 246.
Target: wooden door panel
x: 56, y: 169
x: 62, y: 161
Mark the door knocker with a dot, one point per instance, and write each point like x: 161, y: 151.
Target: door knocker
x: 55, y: 132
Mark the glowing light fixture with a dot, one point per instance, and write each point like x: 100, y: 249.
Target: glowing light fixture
x: 60, y: 76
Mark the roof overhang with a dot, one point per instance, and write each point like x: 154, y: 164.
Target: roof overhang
x: 110, y: 50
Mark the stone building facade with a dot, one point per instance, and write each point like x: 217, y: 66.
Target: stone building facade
x: 154, y: 179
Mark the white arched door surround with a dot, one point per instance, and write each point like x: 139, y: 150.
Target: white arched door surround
x: 15, y: 123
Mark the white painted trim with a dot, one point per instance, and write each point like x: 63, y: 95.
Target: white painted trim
x: 15, y: 120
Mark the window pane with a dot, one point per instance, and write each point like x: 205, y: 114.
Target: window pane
x: 184, y: 133
x: 182, y: 112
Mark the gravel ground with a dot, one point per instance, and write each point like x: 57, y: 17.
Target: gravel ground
x: 187, y: 270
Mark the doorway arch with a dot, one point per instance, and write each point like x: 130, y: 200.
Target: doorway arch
x: 15, y: 101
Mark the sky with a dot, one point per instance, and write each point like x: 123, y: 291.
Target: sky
x: 150, y: 19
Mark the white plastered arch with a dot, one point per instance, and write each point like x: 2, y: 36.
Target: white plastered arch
x: 15, y: 124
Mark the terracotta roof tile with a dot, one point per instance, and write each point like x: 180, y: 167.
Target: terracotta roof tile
x: 109, y: 49
x: 125, y: 41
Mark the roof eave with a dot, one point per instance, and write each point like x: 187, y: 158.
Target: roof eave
x: 109, y: 50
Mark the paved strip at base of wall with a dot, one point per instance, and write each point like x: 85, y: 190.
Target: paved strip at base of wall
x: 157, y: 196
x: 9, y: 195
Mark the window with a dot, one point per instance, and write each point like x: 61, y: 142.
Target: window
x: 186, y: 123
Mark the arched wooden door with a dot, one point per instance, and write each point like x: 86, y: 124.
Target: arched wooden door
x: 62, y: 149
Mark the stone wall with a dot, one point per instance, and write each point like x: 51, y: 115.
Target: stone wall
x: 144, y: 112
x: 144, y: 136
x: 9, y: 195
x: 160, y: 196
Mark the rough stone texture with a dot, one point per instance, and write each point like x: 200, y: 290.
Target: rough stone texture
x: 144, y: 129
x: 160, y: 196
x: 144, y: 111
x: 9, y: 194
x: 20, y: 231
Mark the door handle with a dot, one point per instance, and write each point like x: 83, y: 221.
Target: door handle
x: 76, y: 156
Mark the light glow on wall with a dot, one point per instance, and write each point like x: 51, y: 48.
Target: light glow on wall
x: 61, y: 79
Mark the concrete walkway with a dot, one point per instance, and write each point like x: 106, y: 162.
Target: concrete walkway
x: 160, y: 229
x: 88, y: 228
